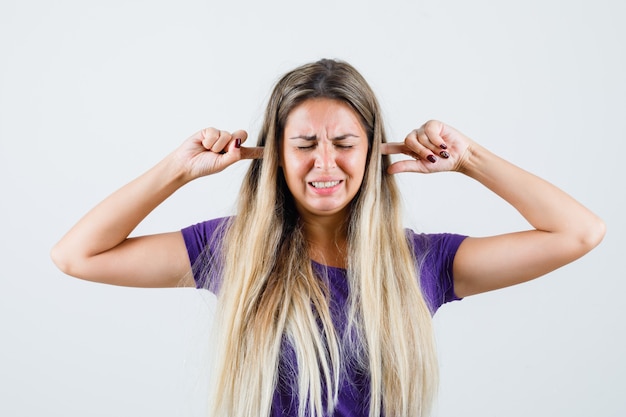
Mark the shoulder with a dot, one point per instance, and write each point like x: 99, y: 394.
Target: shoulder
x: 434, y: 254
x: 434, y: 244
x: 204, y: 235
x: 204, y: 242
x: 206, y: 230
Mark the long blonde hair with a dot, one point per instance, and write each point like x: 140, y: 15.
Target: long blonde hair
x: 270, y: 297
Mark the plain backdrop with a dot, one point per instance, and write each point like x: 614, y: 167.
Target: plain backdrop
x: 93, y: 93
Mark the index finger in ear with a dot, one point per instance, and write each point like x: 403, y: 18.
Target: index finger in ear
x: 393, y: 148
x: 252, y: 152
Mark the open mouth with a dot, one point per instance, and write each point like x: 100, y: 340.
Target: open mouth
x: 324, y: 184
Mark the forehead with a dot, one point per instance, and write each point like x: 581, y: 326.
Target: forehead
x: 323, y: 114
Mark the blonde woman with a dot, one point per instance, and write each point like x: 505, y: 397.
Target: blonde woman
x: 325, y: 300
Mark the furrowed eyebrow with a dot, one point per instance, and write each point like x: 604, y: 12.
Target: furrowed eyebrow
x: 346, y: 136
x: 314, y: 137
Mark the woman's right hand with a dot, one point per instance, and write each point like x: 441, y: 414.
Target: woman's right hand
x: 211, y: 150
x: 98, y: 248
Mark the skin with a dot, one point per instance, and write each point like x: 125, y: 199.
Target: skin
x: 564, y: 230
x: 98, y: 248
x: 324, y: 144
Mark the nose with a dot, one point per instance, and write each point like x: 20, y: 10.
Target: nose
x: 325, y: 156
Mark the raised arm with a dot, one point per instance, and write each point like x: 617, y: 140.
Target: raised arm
x: 98, y: 248
x: 564, y: 230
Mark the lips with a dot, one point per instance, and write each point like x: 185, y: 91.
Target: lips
x: 324, y: 184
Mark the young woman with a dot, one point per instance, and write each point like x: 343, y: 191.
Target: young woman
x: 325, y: 300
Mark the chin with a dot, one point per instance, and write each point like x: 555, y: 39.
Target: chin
x: 327, y: 211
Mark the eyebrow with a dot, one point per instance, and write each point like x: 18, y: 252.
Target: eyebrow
x: 314, y: 137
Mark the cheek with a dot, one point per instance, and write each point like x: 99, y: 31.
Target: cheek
x: 356, y: 165
x: 294, y: 168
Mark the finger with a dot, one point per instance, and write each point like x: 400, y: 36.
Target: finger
x: 392, y: 148
x: 209, y: 136
x: 241, y: 134
x: 230, y: 154
x: 396, y: 148
x: 221, y: 144
x: 433, y: 132
x: 407, y: 165
x: 246, y: 153
x: 252, y: 152
x: 418, y: 142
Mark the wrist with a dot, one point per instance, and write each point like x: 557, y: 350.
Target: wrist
x: 474, y: 160
x: 171, y: 172
x: 467, y: 160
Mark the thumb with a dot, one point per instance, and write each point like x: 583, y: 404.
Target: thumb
x: 231, y: 154
x: 406, y: 165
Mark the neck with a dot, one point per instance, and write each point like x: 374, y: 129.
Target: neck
x: 327, y: 237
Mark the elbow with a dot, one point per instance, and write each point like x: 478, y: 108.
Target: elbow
x: 592, y: 234
x: 57, y: 257
x: 61, y: 259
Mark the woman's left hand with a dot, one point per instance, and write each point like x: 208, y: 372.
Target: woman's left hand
x: 434, y: 147
x: 562, y: 229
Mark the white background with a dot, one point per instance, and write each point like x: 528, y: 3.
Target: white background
x: 93, y: 93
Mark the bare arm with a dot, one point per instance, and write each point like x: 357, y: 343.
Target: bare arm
x: 564, y: 230
x: 98, y: 248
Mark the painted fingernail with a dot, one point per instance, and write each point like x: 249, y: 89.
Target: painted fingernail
x: 237, y: 143
x: 444, y: 154
x: 443, y: 146
x: 431, y: 158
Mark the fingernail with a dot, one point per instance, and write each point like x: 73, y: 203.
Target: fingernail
x: 444, y: 154
x: 237, y: 143
x: 431, y: 158
x: 443, y: 146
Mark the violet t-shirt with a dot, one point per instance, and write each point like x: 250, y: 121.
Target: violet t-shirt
x: 434, y: 252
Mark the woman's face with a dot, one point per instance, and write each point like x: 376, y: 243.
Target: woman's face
x: 323, y: 155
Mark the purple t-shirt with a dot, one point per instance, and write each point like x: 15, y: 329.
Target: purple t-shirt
x: 435, y: 253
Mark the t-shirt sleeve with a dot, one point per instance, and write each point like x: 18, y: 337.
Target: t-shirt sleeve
x: 203, y: 242
x: 435, y: 255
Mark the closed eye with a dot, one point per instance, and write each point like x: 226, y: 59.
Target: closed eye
x: 343, y: 146
x: 304, y: 142
x: 304, y: 148
x: 313, y: 146
x: 344, y: 141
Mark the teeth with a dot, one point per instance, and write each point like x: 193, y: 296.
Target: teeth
x: 324, y: 184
